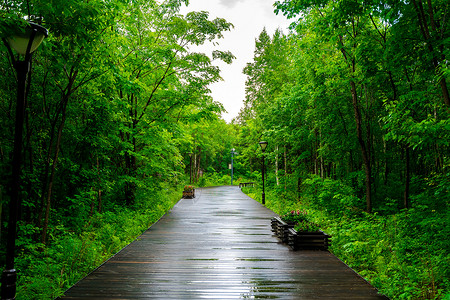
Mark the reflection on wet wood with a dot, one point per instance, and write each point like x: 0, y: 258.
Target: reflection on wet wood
x: 219, y: 245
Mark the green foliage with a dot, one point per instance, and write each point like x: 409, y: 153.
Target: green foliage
x: 352, y: 102
x: 295, y: 216
x: 331, y: 195
x: 306, y: 226
x: 301, y: 220
x: 47, y: 271
x: 116, y: 99
x: 405, y: 254
x: 359, y: 121
x: 215, y: 179
x: 418, y: 134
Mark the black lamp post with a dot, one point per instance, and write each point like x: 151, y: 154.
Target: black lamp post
x: 263, y: 145
x: 24, y: 43
x: 232, y: 155
x: 190, y: 167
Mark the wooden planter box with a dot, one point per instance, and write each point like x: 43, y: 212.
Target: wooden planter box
x: 281, y: 228
x: 189, y: 194
x: 318, y: 240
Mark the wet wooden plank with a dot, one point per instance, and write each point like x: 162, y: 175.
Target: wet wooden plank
x: 219, y: 245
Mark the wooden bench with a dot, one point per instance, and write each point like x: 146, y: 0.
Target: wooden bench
x: 244, y: 184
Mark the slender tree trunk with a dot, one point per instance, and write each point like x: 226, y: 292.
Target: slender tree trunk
x: 423, y: 24
x: 49, y: 191
x: 48, y: 181
x: 198, y: 163
x: 358, y: 121
x: 322, y: 166
x: 364, y: 154
x: 1, y: 211
x: 45, y: 174
x: 370, y: 141
x: 316, y: 158
x: 99, y: 189
x: 386, y: 163
x: 276, y: 166
x: 52, y: 175
x: 407, y: 178
x: 285, y: 168
x: 91, y: 212
x: 129, y: 185
x: 130, y: 159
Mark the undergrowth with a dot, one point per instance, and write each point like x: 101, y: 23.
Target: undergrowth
x: 47, y: 271
x: 405, y: 255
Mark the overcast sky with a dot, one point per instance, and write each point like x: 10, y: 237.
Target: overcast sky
x: 249, y: 17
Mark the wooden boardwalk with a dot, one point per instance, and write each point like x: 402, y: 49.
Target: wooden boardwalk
x: 219, y: 245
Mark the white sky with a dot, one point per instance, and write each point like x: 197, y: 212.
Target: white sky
x: 249, y: 17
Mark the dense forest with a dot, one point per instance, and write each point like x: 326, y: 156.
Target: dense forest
x: 355, y: 106
x: 353, y: 102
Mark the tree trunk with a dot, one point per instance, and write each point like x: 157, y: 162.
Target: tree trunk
x: 52, y: 175
x: 364, y: 154
x: 99, y: 188
x: 197, y: 175
x: 129, y: 185
x: 276, y: 166
x: 322, y: 164
x: 45, y: 173
x: 65, y: 100
x: 1, y: 212
x: 316, y: 158
x: 285, y: 168
x: 407, y: 178
x: 428, y: 39
x: 386, y: 163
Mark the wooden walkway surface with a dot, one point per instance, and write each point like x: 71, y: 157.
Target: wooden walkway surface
x: 219, y: 245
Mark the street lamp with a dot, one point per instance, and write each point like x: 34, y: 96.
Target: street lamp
x: 190, y: 167
x: 232, y: 154
x: 263, y: 145
x: 24, y: 43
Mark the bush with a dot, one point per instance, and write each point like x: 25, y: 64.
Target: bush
x: 295, y: 216
x: 332, y: 195
x: 406, y: 255
x: 46, y: 271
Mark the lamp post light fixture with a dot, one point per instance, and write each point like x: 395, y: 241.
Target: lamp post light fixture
x: 24, y: 43
x: 263, y: 145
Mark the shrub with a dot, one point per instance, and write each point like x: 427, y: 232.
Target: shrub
x: 295, y: 216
